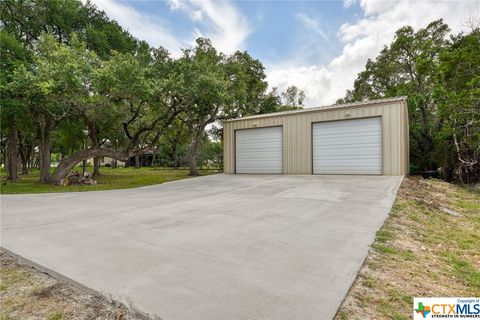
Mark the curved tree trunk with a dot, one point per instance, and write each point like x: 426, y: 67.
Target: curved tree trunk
x: 67, y: 164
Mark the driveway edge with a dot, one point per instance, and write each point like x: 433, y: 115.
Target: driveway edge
x: 394, y: 191
x: 58, y: 276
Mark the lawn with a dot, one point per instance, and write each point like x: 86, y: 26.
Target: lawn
x: 119, y: 178
x: 421, y: 251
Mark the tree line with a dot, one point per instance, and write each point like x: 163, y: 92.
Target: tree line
x: 76, y: 85
x: 440, y: 74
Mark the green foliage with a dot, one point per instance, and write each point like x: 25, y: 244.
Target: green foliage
x: 273, y: 101
x: 14, y: 56
x: 26, y: 20
x: 210, y: 154
x: 82, y: 86
x: 457, y: 93
x: 441, y: 79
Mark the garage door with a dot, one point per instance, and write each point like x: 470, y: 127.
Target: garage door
x: 259, y: 150
x: 348, y: 146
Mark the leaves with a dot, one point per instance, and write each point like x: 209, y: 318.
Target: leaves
x: 441, y: 79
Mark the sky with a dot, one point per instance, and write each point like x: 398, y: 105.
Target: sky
x: 318, y: 46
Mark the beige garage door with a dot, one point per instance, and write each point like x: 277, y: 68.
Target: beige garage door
x: 348, y: 146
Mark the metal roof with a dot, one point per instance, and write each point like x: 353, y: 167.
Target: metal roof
x: 333, y: 106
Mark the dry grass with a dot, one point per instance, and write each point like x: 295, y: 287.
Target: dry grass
x: 420, y: 251
x: 26, y: 293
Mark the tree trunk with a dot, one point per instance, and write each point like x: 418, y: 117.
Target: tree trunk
x: 153, y: 159
x: 137, y: 161
x: 96, y: 166
x: 12, y: 153
x: 44, y: 135
x: 84, y: 166
x: 93, y: 134
x: 21, y: 152
x: 24, y: 165
x: 45, y: 160
x: 175, y: 157
x: 4, y: 156
x: 35, y: 162
x: 192, y: 152
x: 67, y: 164
x: 24, y: 152
x: 114, y: 161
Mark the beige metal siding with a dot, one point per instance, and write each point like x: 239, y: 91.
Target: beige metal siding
x: 297, y: 134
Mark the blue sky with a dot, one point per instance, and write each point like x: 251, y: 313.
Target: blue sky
x: 318, y: 46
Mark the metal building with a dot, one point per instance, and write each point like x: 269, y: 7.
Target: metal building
x: 368, y: 137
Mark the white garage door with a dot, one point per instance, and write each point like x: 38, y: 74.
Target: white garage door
x: 348, y: 146
x: 259, y: 150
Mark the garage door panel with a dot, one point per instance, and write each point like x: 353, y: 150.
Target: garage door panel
x: 339, y: 152
x: 348, y: 140
x: 353, y: 159
x: 263, y: 136
x: 351, y: 162
x: 349, y: 170
x: 350, y: 133
x: 259, y: 150
x: 348, y: 147
x: 353, y: 146
x: 248, y: 147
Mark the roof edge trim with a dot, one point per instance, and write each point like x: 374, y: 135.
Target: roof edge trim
x: 333, y: 106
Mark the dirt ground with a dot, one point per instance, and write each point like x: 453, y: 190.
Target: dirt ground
x: 26, y: 293
x: 421, y: 251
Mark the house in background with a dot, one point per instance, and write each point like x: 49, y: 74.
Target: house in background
x: 107, y: 162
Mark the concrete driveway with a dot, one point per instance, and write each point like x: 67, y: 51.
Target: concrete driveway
x: 214, y: 247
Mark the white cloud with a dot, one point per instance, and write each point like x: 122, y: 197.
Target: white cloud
x: 219, y: 21
x: 142, y: 25
x: 196, y: 15
x: 175, y: 4
x: 312, y: 24
x: 348, y: 3
x: 363, y: 39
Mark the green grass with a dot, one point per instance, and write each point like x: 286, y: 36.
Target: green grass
x: 384, y: 236
x: 419, y: 251
x: 11, y: 276
x: 465, y: 270
x: 4, y: 315
x: 57, y: 315
x: 119, y: 178
x: 381, y: 248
